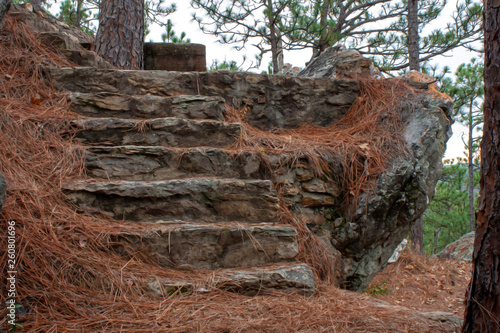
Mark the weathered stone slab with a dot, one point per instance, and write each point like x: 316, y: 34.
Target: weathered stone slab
x: 143, y: 107
x: 268, y: 101
x: 288, y: 278
x: 204, y: 200
x: 162, y: 163
x: 283, y: 277
x: 210, y: 246
x: 172, y: 132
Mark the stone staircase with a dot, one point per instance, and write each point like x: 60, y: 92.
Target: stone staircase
x: 163, y: 158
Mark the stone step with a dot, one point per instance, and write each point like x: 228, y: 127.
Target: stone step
x: 171, y: 132
x: 148, y: 106
x: 267, y: 101
x: 205, y: 200
x: 162, y: 163
x: 284, y: 277
x: 192, y: 246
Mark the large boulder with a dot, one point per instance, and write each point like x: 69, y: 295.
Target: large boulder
x: 384, y: 217
x: 337, y: 63
x: 460, y: 250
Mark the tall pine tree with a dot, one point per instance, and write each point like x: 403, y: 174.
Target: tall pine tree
x: 482, y: 311
x: 120, y: 37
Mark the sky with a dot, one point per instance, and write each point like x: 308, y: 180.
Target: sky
x: 182, y: 22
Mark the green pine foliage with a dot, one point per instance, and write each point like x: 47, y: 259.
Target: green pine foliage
x: 464, y: 28
x: 447, y: 217
x: 79, y: 14
x: 84, y: 14
x: 225, y: 65
x: 264, y: 24
x: 170, y: 37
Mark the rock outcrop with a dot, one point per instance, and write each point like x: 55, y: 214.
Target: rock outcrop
x: 163, y: 128
x: 460, y: 250
x: 337, y: 63
x: 69, y: 41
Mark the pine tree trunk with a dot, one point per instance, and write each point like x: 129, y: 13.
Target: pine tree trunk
x: 120, y: 37
x: 482, y: 310
x: 413, y: 47
x: 323, y: 42
x: 274, y: 40
x: 417, y: 235
x: 78, y: 22
x: 471, y: 170
x: 4, y: 8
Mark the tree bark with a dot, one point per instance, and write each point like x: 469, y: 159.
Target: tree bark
x: 482, y: 311
x: 274, y: 38
x: 470, y: 160
x: 120, y: 37
x: 78, y: 22
x: 413, y: 38
x: 323, y: 42
x: 4, y: 8
x: 417, y: 235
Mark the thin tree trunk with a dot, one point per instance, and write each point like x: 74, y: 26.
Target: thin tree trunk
x: 4, y: 8
x: 436, y: 238
x: 120, y: 37
x: 274, y: 40
x: 471, y: 170
x: 482, y: 310
x: 78, y: 22
x: 417, y: 235
x: 413, y: 38
x: 323, y: 42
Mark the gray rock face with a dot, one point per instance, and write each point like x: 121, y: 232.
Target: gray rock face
x: 337, y: 63
x: 3, y: 191
x: 383, y: 219
x: 460, y: 250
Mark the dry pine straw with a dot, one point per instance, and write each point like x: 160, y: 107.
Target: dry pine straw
x: 67, y: 279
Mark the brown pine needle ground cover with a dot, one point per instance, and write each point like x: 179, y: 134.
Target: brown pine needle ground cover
x: 424, y: 284
x: 68, y: 281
